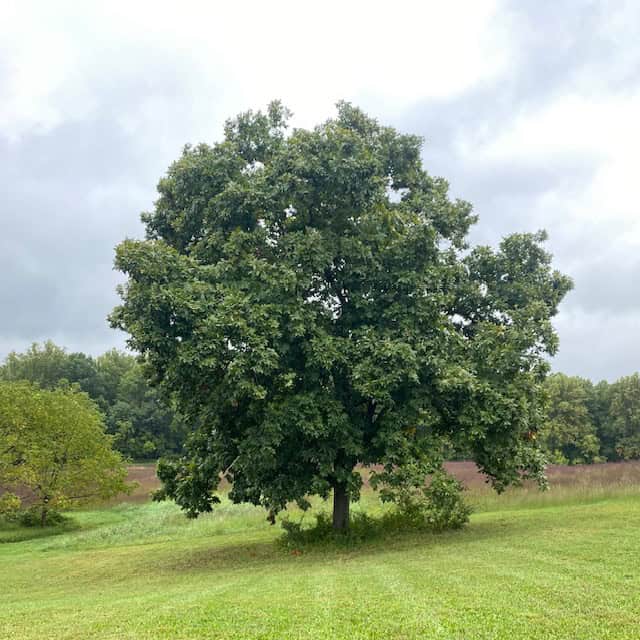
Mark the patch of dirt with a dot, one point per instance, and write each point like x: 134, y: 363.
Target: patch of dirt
x: 144, y: 475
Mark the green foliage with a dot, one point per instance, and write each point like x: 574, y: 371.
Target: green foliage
x: 52, y: 442
x: 311, y: 303
x: 32, y: 517
x: 622, y: 426
x: 12, y: 510
x: 143, y: 426
x: 10, y: 505
x: 48, y: 364
x: 434, y: 506
x: 569, y: 433
x: 361, y: 527
x: 440, y: 505
x: 426, y: 496
x: 591, y: 423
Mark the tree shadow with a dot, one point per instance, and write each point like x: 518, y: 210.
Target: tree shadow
x: 261, y: 554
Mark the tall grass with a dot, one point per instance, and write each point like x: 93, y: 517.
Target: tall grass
x: 567, y: 485
x: 143, y: 522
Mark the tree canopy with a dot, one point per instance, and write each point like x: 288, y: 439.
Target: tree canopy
x: 48, y: 364
x: 569, y: 433
x: 310, y: 300
x: 589, y: 422
x: 620, y: 431
x: 52, y: 442
x: 143, y: 426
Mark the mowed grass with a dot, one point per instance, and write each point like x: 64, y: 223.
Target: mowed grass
x: 562, y: 565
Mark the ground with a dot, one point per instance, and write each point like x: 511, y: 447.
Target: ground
x: 559, y: 565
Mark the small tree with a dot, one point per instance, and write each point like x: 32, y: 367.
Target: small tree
x: 312, y: 303
x: 53, y: 444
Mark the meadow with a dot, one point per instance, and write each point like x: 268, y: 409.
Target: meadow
x: 561, y: 564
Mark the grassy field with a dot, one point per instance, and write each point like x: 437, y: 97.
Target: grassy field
x: 562, y: 565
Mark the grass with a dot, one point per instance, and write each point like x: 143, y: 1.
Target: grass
x: 562, y: 565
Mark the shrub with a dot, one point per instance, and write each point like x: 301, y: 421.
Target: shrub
x: 32, y: 517
x: 10, y: 505
x: 361, y: 527
x: 438, y: 506
x: 433, y: 506
x: 425, y: 497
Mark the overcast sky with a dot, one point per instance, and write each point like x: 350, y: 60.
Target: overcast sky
x: 530, y: 109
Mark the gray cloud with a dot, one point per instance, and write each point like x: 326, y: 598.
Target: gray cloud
x: 70, y: 190
x: 559, y: 50
x: 70, y: 193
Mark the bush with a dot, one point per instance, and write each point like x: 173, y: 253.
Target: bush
x: 10, y: 505
x: 33, y: 518
x: 425, y: 496
x: 429, y: 507
x: 436, y: 506
x: 361, y: 527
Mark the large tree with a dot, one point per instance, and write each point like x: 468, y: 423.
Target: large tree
x: 310, y: 300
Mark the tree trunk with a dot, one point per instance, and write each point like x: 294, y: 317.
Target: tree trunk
x: 340, y: 507
x: 44, y: 511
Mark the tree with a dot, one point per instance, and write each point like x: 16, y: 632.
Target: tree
x: 621, y: 429
x: 143, y: 425
x: 52, y: 442
x: 310, y: 301
x: 48, y: 365
x: 112, y: 366
x: 569, y: 433
x: 599, y: 402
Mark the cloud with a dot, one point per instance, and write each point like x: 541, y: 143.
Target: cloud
x: 70, y: 192
x: 527, y: 108
x: 550, y: 143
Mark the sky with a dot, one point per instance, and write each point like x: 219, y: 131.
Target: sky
x: 529, y: 109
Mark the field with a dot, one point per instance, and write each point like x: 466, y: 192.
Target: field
x: 564, y: 564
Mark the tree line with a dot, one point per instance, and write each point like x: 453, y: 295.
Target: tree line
x: 586, y: 422
x: 589, y: 422
x: 142, y: 425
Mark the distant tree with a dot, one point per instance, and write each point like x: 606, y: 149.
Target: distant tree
x: 80, y: 369
x: 48, y: 365
x: 112, y: 366
x: 52, y: 442
x: 569, y: 433
x: 621, y: 431
x: 599, y: 405
x: 143, y: 425
x: 44, y: 364
x: 311, y: 302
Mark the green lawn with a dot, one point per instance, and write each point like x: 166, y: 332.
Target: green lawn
x: 556, y: 569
